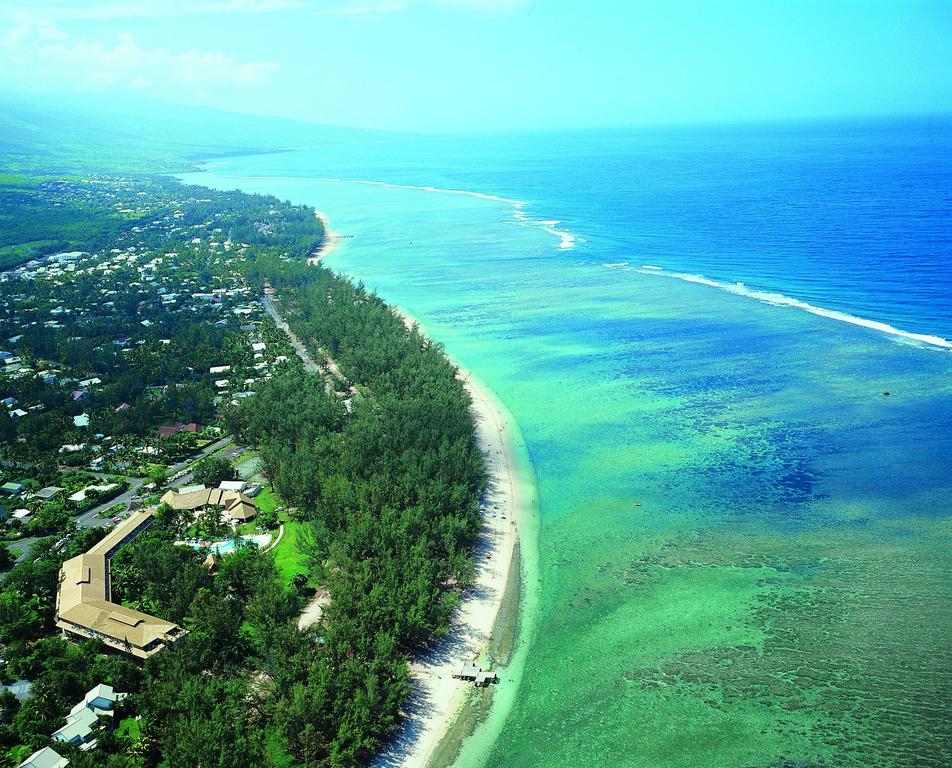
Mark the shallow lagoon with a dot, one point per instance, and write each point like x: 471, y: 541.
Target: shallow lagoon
x: 743, y: 545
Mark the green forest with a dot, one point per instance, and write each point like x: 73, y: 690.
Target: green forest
x: 384, y: 489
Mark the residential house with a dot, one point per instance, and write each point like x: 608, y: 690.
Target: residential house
x: 45, y: 758
x: 83, y: 720
x: 80, y: 729
x: 51, y: 491
x: 173, y: 429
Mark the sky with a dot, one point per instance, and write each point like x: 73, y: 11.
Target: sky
x: 492, y: 65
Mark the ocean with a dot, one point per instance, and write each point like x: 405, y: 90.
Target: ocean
x: 741, y: 552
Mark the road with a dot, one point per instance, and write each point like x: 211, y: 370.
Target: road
x: 309, y: 364
x: 330, y: 364
x: 89, y: 519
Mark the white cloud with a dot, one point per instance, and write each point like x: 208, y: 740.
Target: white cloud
x: 71, y: 10
x: 379, y: 7
x: 58, y: 10
x: 41, y: 53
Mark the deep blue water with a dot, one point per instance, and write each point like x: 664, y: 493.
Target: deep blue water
x: 783, y: 591
x: 851, y: 217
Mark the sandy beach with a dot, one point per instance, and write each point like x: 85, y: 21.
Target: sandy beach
x: 329, y: 243
x: 437, y: 697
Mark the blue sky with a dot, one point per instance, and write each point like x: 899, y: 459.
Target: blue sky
x: 449, y: 65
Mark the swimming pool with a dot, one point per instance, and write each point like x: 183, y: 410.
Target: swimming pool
x: 261, y: 541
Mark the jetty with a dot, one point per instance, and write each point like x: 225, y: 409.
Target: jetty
x: 473, y: 674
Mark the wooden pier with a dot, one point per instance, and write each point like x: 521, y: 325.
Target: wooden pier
x: 473, y: 674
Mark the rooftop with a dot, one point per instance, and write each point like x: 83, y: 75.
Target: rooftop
x: 84, y: 601
x: 45, y: 758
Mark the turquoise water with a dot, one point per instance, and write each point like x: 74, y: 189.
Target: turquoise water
x: 743, y: 545
x: 225, y: 546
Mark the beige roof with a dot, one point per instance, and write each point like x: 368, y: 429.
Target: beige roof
x: 83, y: 601
x: 237, y: 505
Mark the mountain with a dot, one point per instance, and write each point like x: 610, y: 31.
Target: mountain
x: 67, y: 134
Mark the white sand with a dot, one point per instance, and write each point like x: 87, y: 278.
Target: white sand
x: 437, y: 697
x: 329, y: 243
x: 315, y: 609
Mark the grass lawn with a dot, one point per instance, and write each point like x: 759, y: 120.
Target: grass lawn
x: 287, y: 557
x: 115, y: 509
x: 129, y: 728
x: 246, y: 456
x: 267, y: 500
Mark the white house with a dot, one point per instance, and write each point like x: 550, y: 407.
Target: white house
x: 103, y: 698
x: 81, y: 726
x: 45, y: 758
x: 82, y: 722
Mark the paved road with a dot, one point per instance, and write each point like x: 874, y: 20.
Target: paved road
x: 299, y: 347
x: 89, y: 519
x: 330, y: 364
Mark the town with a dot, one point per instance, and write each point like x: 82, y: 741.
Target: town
x: 175, y: 470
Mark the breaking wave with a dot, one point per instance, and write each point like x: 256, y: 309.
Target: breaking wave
x: 780, y: 300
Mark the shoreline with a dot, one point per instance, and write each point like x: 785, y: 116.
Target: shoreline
x: 437, y: 698
x: 438, y: 715
x: 329, y: 242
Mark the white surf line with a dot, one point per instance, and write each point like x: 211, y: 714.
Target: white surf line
x: 567, y: 239
x: 780, y: 300
x: 390, y: 185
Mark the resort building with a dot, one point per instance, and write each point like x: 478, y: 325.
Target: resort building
x: 83, y: 723
x: 238, y: 507
x: 45, y: 758
x: 84, y: 604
